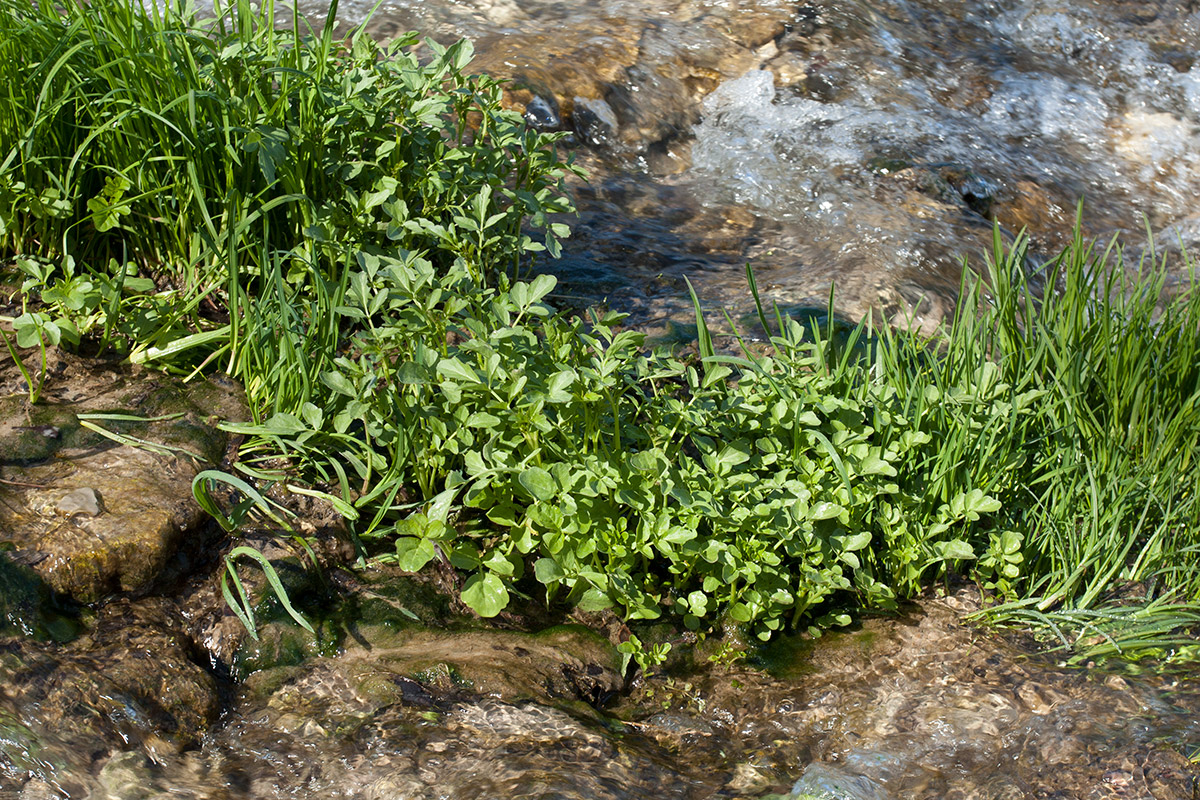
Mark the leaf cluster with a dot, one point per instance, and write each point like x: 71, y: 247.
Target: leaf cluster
x: 551, y: 451
x: 160, y: 172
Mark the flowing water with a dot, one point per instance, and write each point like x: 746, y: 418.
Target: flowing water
x: 869, y: 145
x: 918, y: 706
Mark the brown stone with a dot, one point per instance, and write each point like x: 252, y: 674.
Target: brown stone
x: 93, y: 516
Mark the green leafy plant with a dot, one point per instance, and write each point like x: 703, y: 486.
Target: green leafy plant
x: 342, y: 227
x: 34, y: 388
x: 252, y: 501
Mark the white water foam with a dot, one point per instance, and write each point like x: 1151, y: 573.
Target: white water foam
x: 1082, y: 108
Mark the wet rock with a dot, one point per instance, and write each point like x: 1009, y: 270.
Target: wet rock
x: 595, y: 122
x: 171, y: 413
x: 149, y: 504
x: 916, y: 707
x: 1029, y: 206
x: 126, y: 777
x: 278, y: 640
x: 417, y: 668
x: 37, y: 789
x: 85, y: 501
x: 651, y: 69
x: 543, y: 114
x: 567, y: 662
x: 28, y: 607
x: 104, y: 516
x: 750, y: 23
x: 830, y: 781
x: 669, y: 158
x: 805, y: 23
x: 978, y: 192
x: 19, y: 745
x: 790, y: 69
x: 1180, y: 61
x: 925, y: 707
x: 335, y: 603
x: 825, y: 82
x: 29, y: 434
x: 482, y: 747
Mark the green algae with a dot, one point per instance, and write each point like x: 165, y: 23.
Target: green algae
x: 33, y: 433
x: 380, y: 613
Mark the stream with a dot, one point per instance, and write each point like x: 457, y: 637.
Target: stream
x: 865, y: 146
x: 871, y: 145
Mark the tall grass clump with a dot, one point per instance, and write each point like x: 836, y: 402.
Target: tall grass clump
x: 1113, y: 505
x: 1070, y: 399
x: 177, y: 170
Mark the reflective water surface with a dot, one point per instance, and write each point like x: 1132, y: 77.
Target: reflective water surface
x: 867, y: 144
x: 918, y: 706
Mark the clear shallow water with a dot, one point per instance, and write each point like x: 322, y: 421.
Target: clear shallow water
x: 871, y: 145
x: 917, y: 124
x: 917, y: 707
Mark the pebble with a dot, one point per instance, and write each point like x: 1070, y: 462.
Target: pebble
x: 85, y: 501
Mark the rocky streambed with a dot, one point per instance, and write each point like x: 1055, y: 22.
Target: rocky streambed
x: 869, y: 145
x: 123, y: 675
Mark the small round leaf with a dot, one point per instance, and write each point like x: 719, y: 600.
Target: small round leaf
x: 485, y: 594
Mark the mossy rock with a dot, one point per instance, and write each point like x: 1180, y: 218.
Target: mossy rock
x: 398, y: 602
x: 419, y: 675
x: 146, y: 509
x: 19, y: 746
x: 393, y: 633
x: 158, y: 434
x: 568, y: 662
x: 184, y: 415
x: 282, y: 643
x: 277, y: 640
x: 33, y: 433
x: 381, y: 608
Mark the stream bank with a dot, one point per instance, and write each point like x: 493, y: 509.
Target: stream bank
x: 125, y: 676
x: 154, y: 690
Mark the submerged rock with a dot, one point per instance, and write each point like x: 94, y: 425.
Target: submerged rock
x: 412, y: 702
x: 85, y: 501
x: 89, y: 556
x: 386, y: 660
x: 569, y: 662
x: 28, y: 607
x: 830, y: 782
x: 124, y: 777
x: 627, y: 78
x: 926, y: 707
x: 130, y: 682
